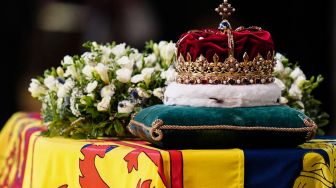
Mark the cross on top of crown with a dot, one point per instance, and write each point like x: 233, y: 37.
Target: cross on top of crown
x: 225, y: 9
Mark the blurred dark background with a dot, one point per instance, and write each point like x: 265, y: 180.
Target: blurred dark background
x: 37, y: 34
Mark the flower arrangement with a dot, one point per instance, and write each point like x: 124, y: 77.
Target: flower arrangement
x: 94, y: 95
x: 297, y: 90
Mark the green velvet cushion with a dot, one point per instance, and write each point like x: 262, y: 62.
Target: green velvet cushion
x: 201, y: 127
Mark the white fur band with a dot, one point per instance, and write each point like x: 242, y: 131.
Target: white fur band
x: 222, y: 95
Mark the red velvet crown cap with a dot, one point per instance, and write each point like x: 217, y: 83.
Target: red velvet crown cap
x: 208, y: 42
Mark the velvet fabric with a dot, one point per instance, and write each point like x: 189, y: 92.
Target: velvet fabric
x: 208, y: 42
x: 264, y: 116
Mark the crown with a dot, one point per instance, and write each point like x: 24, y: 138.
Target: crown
x: 225, y: 56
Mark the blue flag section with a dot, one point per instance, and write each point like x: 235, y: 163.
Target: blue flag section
x: 305, y: 167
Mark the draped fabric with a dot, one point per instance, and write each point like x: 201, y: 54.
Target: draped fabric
x: 28, y: 159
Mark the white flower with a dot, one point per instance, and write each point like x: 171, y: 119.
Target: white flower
x: 170, y: 75
x: 88, y: 71
x: 119, y: 50
x: 137, y: 78
x: 67, y: 60
x: 300, y: 81
x: 279, y: 82
x: 156, y: 49
x: 287, y: 71
x: 142, y: 93
x: 150, y: 60
x: 136, y: 58
x: 60, y: 71
x: 76, y: 94
x: 65, y: 89
x: 167, y: 50
x: 91, y: 86
x: 59, y: 103
x: 147, y: 74
x: 135, y: 55
x: 102, y: 70
x: 125, y: 62
x: 279, y: 67
x: 51, y: 83
x: 125, y: 107
x: 295, y: 92
x: 106, y: 52
x: 71, y: 71
x: 87, y: 57
x: 107, y: 91
x: 124, y: 75
x: 296, y: 73
x: 158, y: 92
x: 104, y: 104
x: 283, y: 100
x: 36, y: 89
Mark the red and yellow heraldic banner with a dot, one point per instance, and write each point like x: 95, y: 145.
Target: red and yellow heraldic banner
x: 30, y: 160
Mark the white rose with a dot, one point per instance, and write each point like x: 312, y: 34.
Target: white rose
x: 107, y: 91
x: 88, y: 71
x: 147, y: 74
x: 36, y: 89
x: 71, y: 71
x: 104, y: 104
x: 150, y: 60
x: 137, y: 78
x: 91, y: 86
x: 158, y: 92
x: 125, y: 107
x: 67, y: 60
x: 283, y: 100
x: 296, y: 73
x: 279, y: 83
x: 295, y: 92
x: 119, y: 50
x: 142, y: 93
x: 124, y: 75
x: 279, y: 68
x: 51, y: 83
x: 102, y: 70
x: 125, y: 62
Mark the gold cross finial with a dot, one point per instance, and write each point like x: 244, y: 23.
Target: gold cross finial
x: 225, y: 9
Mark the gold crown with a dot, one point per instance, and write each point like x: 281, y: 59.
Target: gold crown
x: 259, y: 70
x: 231, y: 71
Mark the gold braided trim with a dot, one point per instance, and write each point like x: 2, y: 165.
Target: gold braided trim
x: 201, y: 71
x: 158, y: 125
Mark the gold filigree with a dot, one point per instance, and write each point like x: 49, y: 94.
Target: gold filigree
x: 231, y: 71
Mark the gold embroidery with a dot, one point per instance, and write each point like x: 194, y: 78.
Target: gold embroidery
x: 316, y: 172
